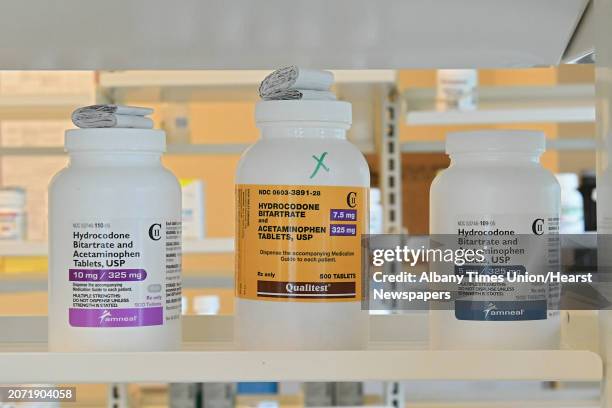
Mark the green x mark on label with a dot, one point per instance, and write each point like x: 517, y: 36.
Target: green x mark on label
x: 320, y: 164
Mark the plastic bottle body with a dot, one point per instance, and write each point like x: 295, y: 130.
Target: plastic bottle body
x: 102, y: 205
x: 511, y: 190
x: 376, y: 212
x: 284, y: 157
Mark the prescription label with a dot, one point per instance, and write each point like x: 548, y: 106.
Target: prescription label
x: 300, y: 243
x: 513, y: 246
x: 123, y: 272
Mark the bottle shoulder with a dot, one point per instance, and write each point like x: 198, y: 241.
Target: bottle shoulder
x: 494, y: 178
x: 117, y: 178
x: 505, y: 173
x: 303, y: 161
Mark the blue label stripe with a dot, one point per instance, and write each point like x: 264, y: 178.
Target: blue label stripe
x: 501, y: 310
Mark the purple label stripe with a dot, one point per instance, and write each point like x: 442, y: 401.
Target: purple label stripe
x: 129, y: 317
x: 106, y: 275
x: 342, y: 215
x: 342, y: 230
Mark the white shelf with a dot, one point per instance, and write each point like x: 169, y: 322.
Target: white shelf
x: 209, y: 355
x: 225, y: 78
x: 484, y: 116
x: 565, y: 144
x: 32, y: 151
x: 205, y: 246
x: 181, y: 149
x: 215, y: 366
x: 42, y: 105
x: 560, y: 104
x: 184, y: 86
x: 355, y: 34
x: 44, y: 101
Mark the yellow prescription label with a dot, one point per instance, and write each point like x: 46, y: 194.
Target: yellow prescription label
x: 299, y: 243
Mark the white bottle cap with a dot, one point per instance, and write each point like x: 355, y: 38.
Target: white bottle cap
x: 503, y: 141
x: 113, y: 139
x: 336, y: 113
x: 568, y: 181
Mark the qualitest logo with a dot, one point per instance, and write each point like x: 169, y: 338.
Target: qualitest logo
x: 307, y: 287
x: 306, y: 290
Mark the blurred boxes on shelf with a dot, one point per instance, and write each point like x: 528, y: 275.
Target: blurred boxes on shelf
x: 348, y: 394
x: 26, y: 83
x: 33, y: 133
x: 193, y: 209
x: 32, y: 173
x: 318, y: 394
x: 46, y: 91
x: 418, y: 171
x: 32, y: 265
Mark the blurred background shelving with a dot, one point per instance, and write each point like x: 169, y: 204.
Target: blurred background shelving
x: 563, y: 103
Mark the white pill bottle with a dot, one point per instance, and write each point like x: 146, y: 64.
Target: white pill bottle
x: 495, y: 185
x: 114, y: 245
x: 301, y: 207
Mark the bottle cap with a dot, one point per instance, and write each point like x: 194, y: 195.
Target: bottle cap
x: 115, y: 139
x: 502, y: 141
x: 336, y: 113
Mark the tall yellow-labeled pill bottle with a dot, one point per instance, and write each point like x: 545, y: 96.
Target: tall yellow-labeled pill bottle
x: 301, y: 208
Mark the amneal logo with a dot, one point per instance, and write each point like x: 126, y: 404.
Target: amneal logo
x: 491, y: 311
x: 306, y: 287
x: 107, y: 317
